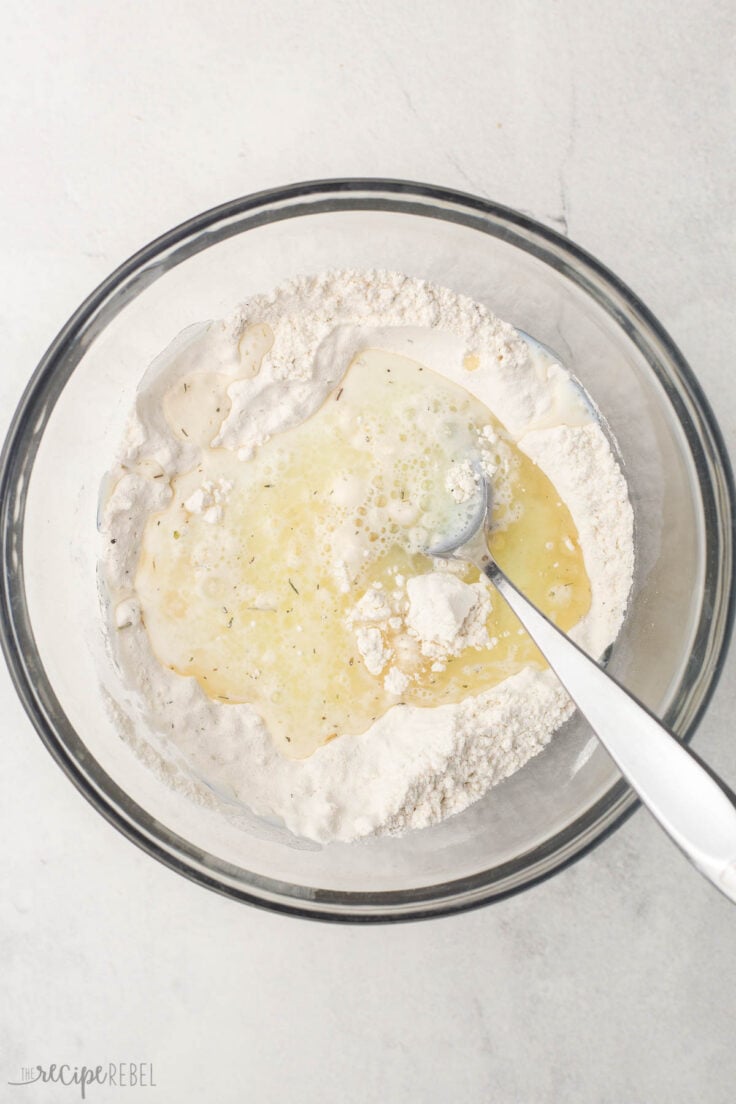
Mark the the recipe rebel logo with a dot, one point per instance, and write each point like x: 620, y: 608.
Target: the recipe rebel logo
x: 117, y: 1075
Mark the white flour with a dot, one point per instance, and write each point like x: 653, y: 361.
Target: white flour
x: 413, y: 766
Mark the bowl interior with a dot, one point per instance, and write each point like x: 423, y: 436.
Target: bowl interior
x: 563, y: 798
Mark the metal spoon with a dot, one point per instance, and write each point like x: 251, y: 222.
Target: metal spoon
x: 692, y: 805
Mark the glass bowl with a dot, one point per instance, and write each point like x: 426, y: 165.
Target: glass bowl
x: 71, y: 418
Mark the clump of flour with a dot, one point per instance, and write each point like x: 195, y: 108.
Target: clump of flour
x: 435, y: 615
x: 462, y: 481
x: 414, y: 766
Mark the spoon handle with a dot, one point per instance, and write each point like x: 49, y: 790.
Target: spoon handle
x: 692, y: 806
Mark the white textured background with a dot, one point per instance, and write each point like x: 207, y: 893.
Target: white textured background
x: 614, y: 982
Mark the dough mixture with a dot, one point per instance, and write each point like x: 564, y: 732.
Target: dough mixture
x: 270, y: 600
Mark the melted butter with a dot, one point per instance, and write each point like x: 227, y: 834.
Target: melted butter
x: 253, y: 601
x: 196, y: 406
x: 254, y: 343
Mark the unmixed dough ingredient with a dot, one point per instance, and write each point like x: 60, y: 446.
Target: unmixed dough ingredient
x: 271, y: 600
x: 296, y: 580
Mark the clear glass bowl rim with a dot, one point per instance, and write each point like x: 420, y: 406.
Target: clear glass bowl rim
x: 26, y: 429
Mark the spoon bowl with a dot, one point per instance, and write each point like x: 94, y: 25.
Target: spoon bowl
x: 469, y: 542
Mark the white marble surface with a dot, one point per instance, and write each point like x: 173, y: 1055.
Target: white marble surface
x: 614, y: 982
